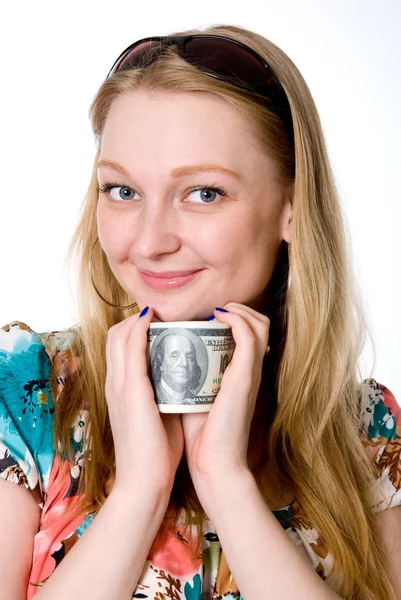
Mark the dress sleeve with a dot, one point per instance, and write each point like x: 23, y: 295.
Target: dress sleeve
x: 26, y: 410
x: 381, y: 436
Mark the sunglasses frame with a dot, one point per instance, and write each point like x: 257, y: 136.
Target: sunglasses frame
x: 269, y: 87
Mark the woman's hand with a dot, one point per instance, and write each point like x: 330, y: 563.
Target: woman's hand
x: 216, y: 443
x: 148, y: 445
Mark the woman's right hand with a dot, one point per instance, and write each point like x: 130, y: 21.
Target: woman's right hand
x: 148, y: 444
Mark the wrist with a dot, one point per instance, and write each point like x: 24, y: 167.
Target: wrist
x: 212, y: 486
x: 141, y: 496
x: 219, y: 495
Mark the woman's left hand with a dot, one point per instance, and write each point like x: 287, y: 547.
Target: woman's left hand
x: 216, y: 443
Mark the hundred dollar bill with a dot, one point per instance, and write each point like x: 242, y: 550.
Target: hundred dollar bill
x: 186, y: 361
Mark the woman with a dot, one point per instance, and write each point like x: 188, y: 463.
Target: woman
x: 210, y: 198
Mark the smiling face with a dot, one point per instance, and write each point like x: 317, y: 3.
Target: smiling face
x: 155, y: 220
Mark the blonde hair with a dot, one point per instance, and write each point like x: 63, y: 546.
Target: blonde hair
x: 318, y: 329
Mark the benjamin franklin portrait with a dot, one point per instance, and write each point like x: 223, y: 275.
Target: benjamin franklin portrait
x: 176, y: 371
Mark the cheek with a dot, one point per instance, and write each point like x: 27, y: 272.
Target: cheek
x: 113, y: 238
x: 219, y: 241
x: 246, y: 250
x: 235, y: 241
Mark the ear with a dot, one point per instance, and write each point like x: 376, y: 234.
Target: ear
x: 287, y: 211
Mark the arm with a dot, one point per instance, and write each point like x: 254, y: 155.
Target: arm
x: 19, y: 522
x: 257, y: 549
x: 255, y: 545
x: 106, y: 563
x: 389, y: 525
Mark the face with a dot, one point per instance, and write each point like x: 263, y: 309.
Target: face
x: 195, y: 217
x: 178, y: 361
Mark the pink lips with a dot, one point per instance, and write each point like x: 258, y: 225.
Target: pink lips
x: 167, y: 280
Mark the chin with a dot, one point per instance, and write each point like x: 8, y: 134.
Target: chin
x: 177, y: 314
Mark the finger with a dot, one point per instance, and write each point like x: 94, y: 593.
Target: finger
x: 137, y: 380
x: 259, y: 324
x: 117, y: 337
x: 246, y: 310
x: 248, y: 345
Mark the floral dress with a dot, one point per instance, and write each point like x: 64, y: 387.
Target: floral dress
x: 172, y: 569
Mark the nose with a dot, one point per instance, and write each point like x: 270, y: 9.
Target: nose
x: 157, y: 231
x: 182, y: 360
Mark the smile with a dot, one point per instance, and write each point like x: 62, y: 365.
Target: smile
x: 167, y: 281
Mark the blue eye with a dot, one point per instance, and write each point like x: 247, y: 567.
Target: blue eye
x: 210, y: 195
x: 124, y: 193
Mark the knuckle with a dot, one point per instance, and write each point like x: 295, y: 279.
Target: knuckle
x: 231, y: 304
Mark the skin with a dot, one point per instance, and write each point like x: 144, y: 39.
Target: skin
x: 237, y: 236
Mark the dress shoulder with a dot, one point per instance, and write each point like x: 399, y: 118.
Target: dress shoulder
x: 381, y: 436
x: 27, y: 405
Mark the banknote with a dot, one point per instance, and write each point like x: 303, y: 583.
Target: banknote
x: 186, y: 362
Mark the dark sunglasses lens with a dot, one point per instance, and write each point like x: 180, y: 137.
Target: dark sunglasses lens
x: 140, y: 56
x: 226, y: 59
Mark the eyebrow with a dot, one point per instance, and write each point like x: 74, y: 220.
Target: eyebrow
x: 177, y: 172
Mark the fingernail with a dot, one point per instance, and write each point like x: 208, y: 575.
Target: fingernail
x: 221, y: 309
x: 211, y: 318
x: 144, y: 311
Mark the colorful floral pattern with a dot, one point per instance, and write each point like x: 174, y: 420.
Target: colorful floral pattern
x: 172, y: 569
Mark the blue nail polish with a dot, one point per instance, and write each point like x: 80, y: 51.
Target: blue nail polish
x: 221, y: 309
x: 144, y: 311
x: 211, y: 318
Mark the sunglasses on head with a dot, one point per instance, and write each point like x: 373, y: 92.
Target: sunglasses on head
x: 220, y: 57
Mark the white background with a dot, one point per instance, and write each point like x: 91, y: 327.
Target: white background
x: 54, y: 56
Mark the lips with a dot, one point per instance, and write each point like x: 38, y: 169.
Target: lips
x: 168, y: 280
x: 168, y: 274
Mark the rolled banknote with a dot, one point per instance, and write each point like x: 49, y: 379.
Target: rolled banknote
x: 186, y: 361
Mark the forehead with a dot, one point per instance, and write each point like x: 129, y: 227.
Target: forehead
x: 178, y: 342
x: 158, y: 131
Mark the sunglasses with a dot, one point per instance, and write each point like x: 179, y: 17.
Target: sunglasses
x: 221, y: 58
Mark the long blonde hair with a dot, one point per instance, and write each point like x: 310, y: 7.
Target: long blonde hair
x: 308, y: 414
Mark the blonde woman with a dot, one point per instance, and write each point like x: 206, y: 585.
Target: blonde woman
x: 211, y: 197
